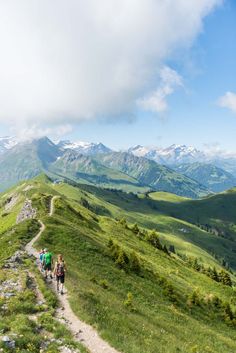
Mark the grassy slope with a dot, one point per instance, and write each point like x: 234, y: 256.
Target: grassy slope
x: 155, y: 323
x: 99, y: 288
x: 22, y: 318
x: 214, y: 178
x: 150, y: 173
x: 169, y: 218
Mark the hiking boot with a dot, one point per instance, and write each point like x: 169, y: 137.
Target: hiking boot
x: 62, y: 292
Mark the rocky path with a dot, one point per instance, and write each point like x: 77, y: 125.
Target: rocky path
x: 82, y: 332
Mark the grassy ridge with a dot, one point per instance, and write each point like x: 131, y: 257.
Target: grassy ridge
x: 99, y: 288
x: 163, y: 305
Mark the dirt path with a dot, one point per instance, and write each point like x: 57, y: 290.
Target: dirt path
x: 29, y: 247
x: 82, y: 332
x: 51, y: 210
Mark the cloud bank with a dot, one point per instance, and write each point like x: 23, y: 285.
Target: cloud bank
x: 63, y: 61
x: 156, y: 101
x: 228, y: 100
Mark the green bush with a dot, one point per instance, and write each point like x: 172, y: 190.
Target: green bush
x: 154, y: 240
x: 135, y: 265
x: 129, y: 301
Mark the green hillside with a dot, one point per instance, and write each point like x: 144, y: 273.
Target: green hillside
x: 84, y: 169
x: 26, y: 160
x: 212, y: 177
x: 150, y: 173
x: 120, y: 280
x: 27, y: 305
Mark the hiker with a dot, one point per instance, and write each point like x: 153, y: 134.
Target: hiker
x: 59, y: 272
x: 41, y: 255
x: 47, y: 263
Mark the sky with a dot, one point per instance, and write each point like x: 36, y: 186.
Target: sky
x: 127, y: 72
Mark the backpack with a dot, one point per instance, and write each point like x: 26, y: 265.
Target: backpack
x: 60, y: 271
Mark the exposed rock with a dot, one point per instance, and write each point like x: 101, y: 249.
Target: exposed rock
x: 27, y: 212
x: 28, y: 187
x: 8, y: 342
x: 10, y: 202
x: 15, y: 260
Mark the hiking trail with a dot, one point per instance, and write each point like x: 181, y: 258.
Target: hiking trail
x: 81, y: 331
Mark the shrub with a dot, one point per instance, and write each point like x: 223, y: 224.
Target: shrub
x: 123, y: 222
x: 194, y: 298
x: 135, y: 263
x: 122, y: 260
x: 172, y: 249
x: 110, y: 243
x: 129, y: 301
x: 135, y: 229
x: 224, y: 278
x: 227, y: 312
x: 170, y: 293
x: 165, y: 249
x: 104, y: 284
x: 153, y: 239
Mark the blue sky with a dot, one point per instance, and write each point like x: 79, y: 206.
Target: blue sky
x: 193, y: 117
x: 207, y: 70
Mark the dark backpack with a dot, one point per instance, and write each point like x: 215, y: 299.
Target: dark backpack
x: 60, y: 269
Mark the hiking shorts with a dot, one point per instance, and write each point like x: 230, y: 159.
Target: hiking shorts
x: 61, y: 279
x: 48, y: 267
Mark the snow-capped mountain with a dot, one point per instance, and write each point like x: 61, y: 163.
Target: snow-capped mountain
x: 172, y: 155
x: 7, y: 143
x: 87, y: 148
x: 176, y: 154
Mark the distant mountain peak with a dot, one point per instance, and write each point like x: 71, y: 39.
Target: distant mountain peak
x: 7, y: 142
x: 171, y: 155
x: 87, y: 148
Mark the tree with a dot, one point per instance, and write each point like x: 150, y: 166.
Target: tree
x: 165, y: 249
x: 215, y: 276
x: 153, y: 239
x: 225, y: 278
x: 123, y: 222
x: 228, y: 314
x: 135, y: 229
x: 196, y: 265
x: 110, y: 243
x: 172, y: 249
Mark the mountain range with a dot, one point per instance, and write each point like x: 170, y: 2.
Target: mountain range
x: 119, y: 170
x: 183, y: 170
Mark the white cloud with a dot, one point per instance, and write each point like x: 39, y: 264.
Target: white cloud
x: 36, y: 131
x: 228, y: 100
x: 215, y: 150
x: 63, y: 61
x: 156, y: 101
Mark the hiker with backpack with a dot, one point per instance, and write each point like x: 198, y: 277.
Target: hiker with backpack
x: 59, y: 273
x: 41, y: 255
x: 47, y: 263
